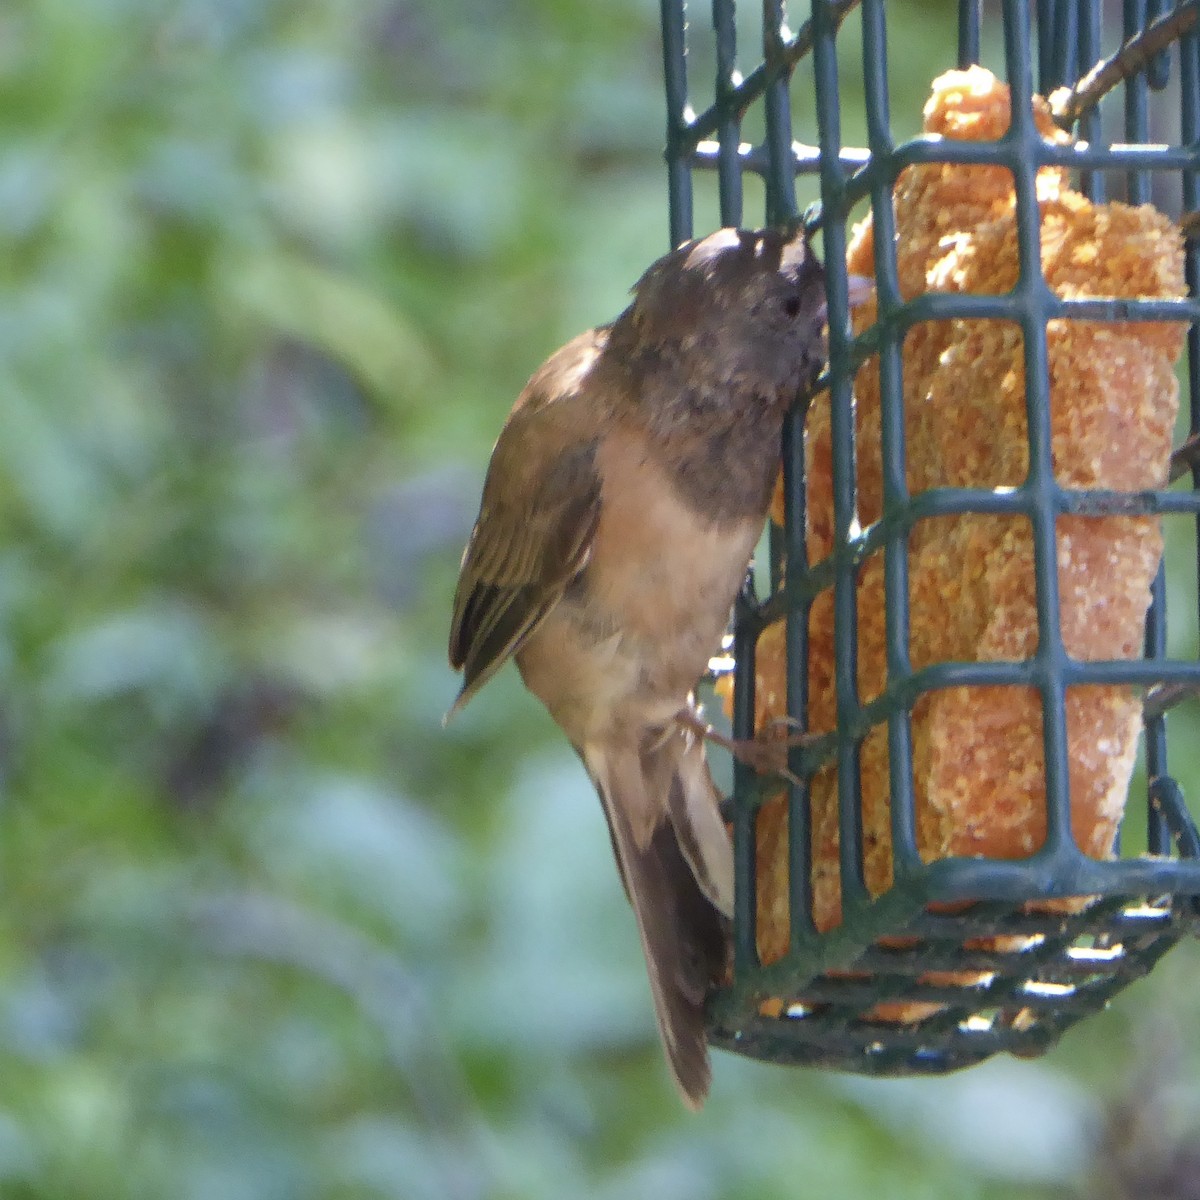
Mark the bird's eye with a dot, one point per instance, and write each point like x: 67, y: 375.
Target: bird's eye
x: 791, y: 305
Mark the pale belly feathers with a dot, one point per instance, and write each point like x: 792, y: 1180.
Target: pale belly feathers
x: 630, y: 639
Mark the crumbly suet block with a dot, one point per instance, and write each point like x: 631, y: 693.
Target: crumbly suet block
x: 977, y: 752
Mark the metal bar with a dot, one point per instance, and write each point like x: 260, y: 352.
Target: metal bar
x: 796, y: 633
x: 905, y: 854
x: 938, y: 502
x: 942, y: 306
x: 969, y: 12
x: 1032, y: 290
x: 729, y: 132
x: 1045, y: 38
x: 806, y: 160
x: 679, y: 175
x: 1065, y: 63
x: 1137, y: 120
x: 1075, y: 156
x: 780, y: 175
x: 1143, y: 156
x: 1133, y: 503
x: 849, y: 781
x: 962, y: 879
x: 1158, y: 836
x: 745, y: 786
x: 1091, y: 183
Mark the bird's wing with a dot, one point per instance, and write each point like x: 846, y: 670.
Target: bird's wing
x: 533, y: 536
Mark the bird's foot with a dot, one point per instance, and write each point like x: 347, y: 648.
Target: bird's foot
x: 766, y: 753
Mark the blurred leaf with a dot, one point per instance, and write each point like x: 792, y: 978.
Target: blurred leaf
x: 352, y: 840
x: 332, y: 311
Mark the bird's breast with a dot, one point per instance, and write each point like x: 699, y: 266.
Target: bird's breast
x: 664, y: 571
x: 662, y: 577
x: 634, y: 632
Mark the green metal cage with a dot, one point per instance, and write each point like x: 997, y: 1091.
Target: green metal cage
x: 1068, y: 965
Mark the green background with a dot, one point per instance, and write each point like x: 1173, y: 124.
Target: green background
x: 272, y: 274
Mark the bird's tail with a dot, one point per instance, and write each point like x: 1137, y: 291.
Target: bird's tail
x: 672, y: 871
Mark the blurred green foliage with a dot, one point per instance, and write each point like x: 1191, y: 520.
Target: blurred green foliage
x: 273, y: 271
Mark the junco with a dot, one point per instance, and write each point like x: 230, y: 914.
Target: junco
x: 624, y: 498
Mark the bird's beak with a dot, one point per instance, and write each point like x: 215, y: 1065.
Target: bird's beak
x: 860, y: 288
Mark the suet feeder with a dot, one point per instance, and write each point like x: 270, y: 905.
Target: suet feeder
x: 862, y: 942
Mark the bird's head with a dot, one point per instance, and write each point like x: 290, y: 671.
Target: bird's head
x: 741, y: 305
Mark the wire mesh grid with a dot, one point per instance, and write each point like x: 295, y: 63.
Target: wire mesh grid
x: 960, y: 957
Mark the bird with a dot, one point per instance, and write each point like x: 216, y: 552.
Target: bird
x: 621, y: 506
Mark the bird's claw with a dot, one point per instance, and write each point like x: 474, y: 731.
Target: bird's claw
x: 765, y: 753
